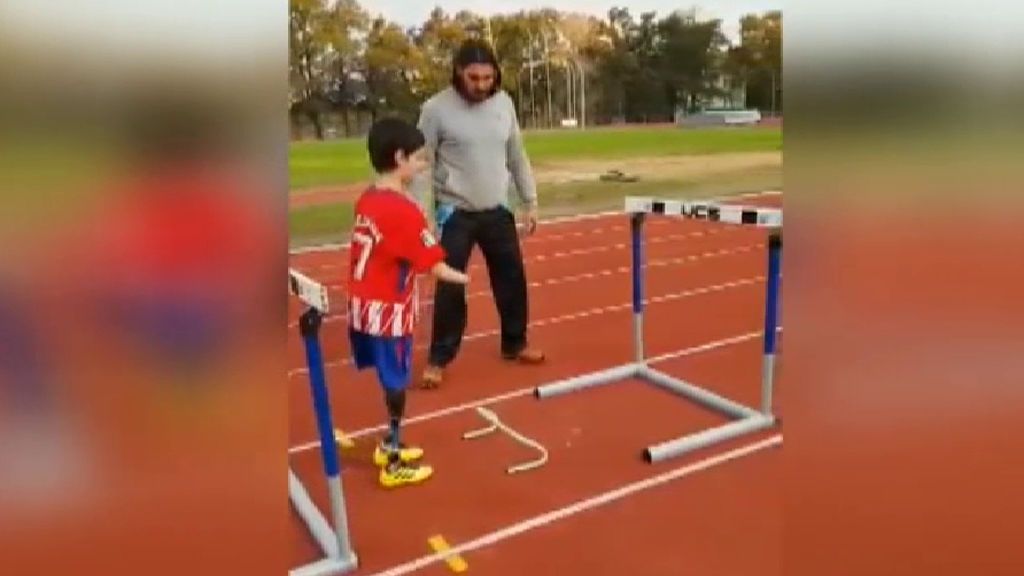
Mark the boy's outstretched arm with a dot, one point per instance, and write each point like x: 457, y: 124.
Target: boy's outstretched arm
x: 446, y: 273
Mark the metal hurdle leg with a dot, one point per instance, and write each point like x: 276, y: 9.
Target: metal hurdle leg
x: 627, y: 371
x: 585, y: 381
x: 696, y: 393
x: 636, y: 227
x: 771, y: 322
x: 318, y: 526
x: 709, y: 437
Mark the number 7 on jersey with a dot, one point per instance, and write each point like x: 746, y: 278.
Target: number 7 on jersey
x: 365, y: 244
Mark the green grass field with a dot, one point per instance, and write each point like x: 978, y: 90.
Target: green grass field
x: 330, y: 223
x: 345, y: 161
x: 316, y: 224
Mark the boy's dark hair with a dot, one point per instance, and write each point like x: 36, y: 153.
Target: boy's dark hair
x: 388, y: 136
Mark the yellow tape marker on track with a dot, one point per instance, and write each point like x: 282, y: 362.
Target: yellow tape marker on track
x: 343, y: 439
x: 455, y: 562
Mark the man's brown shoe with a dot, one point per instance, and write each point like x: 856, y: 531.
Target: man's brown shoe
x: 526, y: 356
x: 432, y: 377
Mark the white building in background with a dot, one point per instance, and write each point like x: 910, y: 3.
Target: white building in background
x: 727, y: 107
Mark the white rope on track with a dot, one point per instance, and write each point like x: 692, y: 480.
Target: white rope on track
x: 496, y: 424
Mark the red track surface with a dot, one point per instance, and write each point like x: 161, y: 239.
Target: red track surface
x: 707, y: 287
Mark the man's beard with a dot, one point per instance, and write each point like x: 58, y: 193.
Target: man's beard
x: 473, y: 95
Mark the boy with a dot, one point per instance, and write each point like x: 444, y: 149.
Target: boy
x: 391, y: 243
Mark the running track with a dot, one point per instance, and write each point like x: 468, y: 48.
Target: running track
x: 595, y: 507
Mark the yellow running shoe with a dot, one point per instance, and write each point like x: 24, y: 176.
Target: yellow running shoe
x: 382, y: 454
x: 401, y: 473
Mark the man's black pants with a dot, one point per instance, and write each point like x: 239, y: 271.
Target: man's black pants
x: 495, y: 232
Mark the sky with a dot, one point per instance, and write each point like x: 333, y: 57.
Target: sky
x: 414, y: 12
x: 124, y: 29
x: 233, y: 28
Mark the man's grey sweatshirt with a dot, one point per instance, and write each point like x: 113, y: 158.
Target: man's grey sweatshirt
x: 476, y: 151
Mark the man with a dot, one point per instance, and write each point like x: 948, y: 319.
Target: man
x: 477, y: 150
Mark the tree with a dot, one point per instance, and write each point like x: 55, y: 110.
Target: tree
x: 510, y: 39
x: 347, y: 25
x: 437, y: 41
x: 576, y: 33
x: 308, y: 40
x: 616, y: 64
x: 647, y: 88
x: 690, y: 59
x: 758, y: 59
x: 473, y: 24
x: 390, y: 70
x: 637, y: 68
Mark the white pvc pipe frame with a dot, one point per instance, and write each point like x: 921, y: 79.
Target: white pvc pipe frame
x: 745, y: 420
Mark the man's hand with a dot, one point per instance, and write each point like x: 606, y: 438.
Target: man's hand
x: 529, y: 218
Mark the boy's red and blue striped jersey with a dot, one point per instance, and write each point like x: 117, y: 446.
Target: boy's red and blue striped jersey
x: 391, y: 243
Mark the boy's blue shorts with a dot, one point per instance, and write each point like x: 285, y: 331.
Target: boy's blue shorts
x: 392, y: 357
